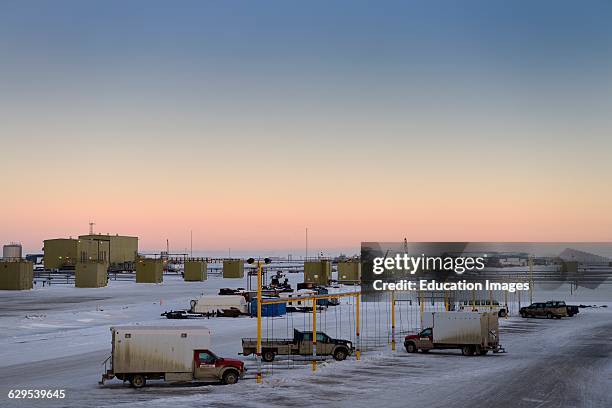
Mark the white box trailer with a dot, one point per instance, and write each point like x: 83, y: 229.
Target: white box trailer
x: 472, y: 332
x: 211, y: 304
x: 172, y: 353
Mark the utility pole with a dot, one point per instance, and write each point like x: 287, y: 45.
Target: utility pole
x: 393, y: 320
x: 258, y: 376
x: 530, y: 279
x: 306, y: 254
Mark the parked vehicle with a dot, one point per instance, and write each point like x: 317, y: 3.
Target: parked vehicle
x: 484, y: 306
x: 300, y: 344
x: 550, y: 309
x: 176, y: 354
x: 572, y: 310
x: 474, y: 333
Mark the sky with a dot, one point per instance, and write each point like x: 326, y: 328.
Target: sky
x: 246, y: 122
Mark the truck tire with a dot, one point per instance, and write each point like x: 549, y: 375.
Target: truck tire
x: 411, y: 347
x: 230, y: 377
x: 467, y: 350
x: 549, y: 315
x: 502, y: 313
x: 268, y: 356
x: 483, y: 352
x: 138, y: 381
x: 523, y: 315
x: 340, y: 354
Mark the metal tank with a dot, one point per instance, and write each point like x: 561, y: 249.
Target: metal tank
x: 11, y: 251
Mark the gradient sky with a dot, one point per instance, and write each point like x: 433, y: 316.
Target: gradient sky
x: 246, y: 121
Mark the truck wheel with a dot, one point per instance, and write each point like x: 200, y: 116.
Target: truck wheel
x: 138, y: 381
x: 467, y: 350
x: 411, y: 347
x: 523, y: 315
x: 483, y: 352
x: 340, y: 354
x: 549, y: 315
x: 268, y: 356
x: 502, y: 313
x: 230, y: 377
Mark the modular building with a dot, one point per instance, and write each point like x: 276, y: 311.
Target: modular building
x: 16, y: 275
x: 349, y: 272
x: 195, y: 271
x: 91, y: 274
x: 317, y: 272
x: 123, y: 250
x: 233, y: 268
x: 60, y: 253
x: 149, y: 270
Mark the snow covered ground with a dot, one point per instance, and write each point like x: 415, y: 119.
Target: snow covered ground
x: 57, y: 337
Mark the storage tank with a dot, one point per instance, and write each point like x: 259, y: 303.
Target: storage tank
x: 11, y: 251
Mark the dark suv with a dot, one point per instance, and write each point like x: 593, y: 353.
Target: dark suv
x: 550, y: 309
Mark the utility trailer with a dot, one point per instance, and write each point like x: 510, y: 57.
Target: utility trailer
x: 174, y: 354
x: 212, y: 306
x: 474, y: 333
x: 300, y: 344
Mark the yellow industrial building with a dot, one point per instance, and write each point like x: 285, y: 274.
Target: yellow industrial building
x: 349, y: 272
x: 149, y: 270
x: 233, y: 268
x: 65, y: 253
x: 16, y: 275
x: 91, y: 274
x: 195, y: 271
x: 123, y: 250
x: 60, y: 253
x: 317, y: 272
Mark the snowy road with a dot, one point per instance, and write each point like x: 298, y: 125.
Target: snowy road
x: 65, y: 337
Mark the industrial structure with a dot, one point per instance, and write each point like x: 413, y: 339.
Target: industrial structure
x: 60, y: 253
x: 91, y: 274
x: 123, y: 250
x: 233, y: 268
x: 317, y: 272
x: 195, y: 271
x: 65, y: 253
x: 349, y: 272
x: 16, y: 275
x: 117, y: 251
x: 149, y: 270
x: 12, y: 251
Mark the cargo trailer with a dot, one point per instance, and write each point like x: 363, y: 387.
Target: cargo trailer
x: 174, y: 354
x: 471, y: 332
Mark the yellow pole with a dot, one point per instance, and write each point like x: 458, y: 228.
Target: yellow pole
x: 358, y: 351
x: 314, y: 335
x: 393, y: 320
x: 258, y: 376
x: 446, y: 302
